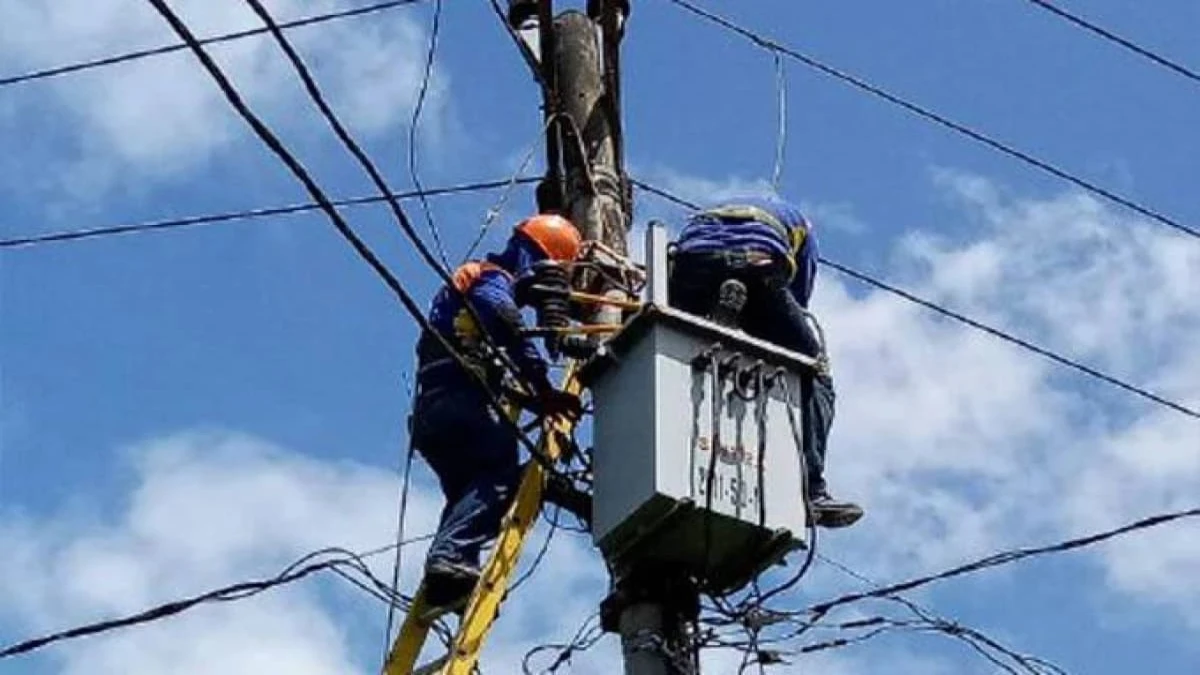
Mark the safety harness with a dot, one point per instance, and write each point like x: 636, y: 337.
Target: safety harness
x: 467, y: 334
x: 794, y: 236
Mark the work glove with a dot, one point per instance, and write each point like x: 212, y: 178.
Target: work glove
x: 554, y: 402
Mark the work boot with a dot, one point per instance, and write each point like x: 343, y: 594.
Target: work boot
x: 560, y: 492
x: 448, y: 588
x: 833, y: 513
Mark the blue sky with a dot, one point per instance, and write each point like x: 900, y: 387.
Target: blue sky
x: 186, y: 409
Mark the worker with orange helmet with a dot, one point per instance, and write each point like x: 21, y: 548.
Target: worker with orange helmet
x: 454, y: 426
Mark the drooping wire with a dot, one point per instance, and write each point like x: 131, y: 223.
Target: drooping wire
x: 248, y: 214
x: 318, y: 195
x: 952, y: 627
x: 296, y: 571
x: 226, y: 37
x: 496, y: 210
x: 588, y: 634
x: 966, y: 320
x: 1007, y: 557
x: 1117, y: 39
x: 401, y: 516
x: 781, y: 136
x: 422, y: 92
x: 929, y: 115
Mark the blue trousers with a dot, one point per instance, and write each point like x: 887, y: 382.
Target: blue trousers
x: 771, y: 313
x: 474, y: 455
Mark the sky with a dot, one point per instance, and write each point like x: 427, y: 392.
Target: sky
x: 191, y: 408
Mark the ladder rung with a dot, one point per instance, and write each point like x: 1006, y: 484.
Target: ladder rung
x: 433, y: 666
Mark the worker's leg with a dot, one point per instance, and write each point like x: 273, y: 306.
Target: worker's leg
x: 774, y: 315
x: 474, y: 456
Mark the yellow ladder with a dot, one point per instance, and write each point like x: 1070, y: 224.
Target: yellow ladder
x: 484, y: 604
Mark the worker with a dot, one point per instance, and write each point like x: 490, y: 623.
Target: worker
x: 769, y: 246
x: 456, y: 429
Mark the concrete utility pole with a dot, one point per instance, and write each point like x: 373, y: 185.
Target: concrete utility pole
x: 650, y: 608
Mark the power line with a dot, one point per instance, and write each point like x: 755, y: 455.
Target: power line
x: 931, y: 116
x: 167, y: 49
x: 1117, y: 39
x: 381, y: 184
x: 248, y: 214
x: 239, y: 591
x: 1012, y: 339
x: 1006, y: 558
x: 952, y: 627
x: 968, y: 321
x: 276, y: 146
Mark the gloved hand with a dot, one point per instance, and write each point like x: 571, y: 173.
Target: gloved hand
x: 823, y: 365
x: 554, y: 402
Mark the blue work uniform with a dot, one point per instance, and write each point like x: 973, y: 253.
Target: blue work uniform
x: 470, y: 448
x: 768, y: 245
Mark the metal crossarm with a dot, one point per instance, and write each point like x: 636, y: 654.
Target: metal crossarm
x: 484, y: 604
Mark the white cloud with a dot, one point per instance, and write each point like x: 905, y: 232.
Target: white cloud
x: 163, y: 115
x: 206, y: 510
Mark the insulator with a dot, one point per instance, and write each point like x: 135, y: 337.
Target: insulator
x: 549, y: 293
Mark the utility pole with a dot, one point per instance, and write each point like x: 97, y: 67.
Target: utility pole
x: 651, y: 608
x: 596, y: 192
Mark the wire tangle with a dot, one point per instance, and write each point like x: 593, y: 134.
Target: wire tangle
x: 586, y: 637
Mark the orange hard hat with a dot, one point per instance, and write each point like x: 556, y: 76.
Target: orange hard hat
x: 553, y: 234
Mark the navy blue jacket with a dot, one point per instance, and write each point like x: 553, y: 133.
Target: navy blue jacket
x: 706, y: 232
x: 489, y: 286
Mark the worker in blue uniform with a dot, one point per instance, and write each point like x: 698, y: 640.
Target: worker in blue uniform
x: 769, y: 246
x: 471, y: 449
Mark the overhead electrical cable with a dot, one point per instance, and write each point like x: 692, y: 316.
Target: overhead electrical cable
x: 937, y: 118
x: 360, y: 155
x: 227, y: 37
x: 296, y: 571
x: 1008, y: 557
x: 966, y: 320
x: 1109, y: 35
x: 269, y: 138
x: 248, y: 214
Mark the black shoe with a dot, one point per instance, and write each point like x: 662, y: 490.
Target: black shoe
x: 561, y: 493
x: 834, y: 513
x: 448, y: 588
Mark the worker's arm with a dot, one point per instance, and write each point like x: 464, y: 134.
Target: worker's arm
x: 492, y: 297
